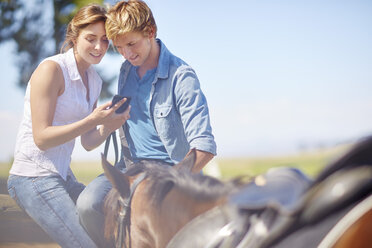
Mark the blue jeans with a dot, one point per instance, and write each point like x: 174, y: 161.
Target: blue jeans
x: 90, y: 208
x: 50, y: 202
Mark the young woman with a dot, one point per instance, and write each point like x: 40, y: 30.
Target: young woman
x: 60, y: 105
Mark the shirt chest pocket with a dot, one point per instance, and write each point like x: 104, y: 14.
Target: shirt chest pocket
x: 162, y: 111
x: 164, y: 120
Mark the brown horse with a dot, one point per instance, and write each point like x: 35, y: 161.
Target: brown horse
x: 157, y: 206
x: 160, y: 201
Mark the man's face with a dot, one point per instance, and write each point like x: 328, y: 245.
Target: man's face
x: 134, y: 46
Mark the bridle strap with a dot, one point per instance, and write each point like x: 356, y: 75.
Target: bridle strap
x: 121, y: 233
x: 107, y: 144
x: 125, y: 214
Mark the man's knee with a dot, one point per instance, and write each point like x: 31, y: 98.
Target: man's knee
x: 87, y: 203
x: 91, y: 200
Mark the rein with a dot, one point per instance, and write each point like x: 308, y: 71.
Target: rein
x: 107, y: 144
x: 124, y: 214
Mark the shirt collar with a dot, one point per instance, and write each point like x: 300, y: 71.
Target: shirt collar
x: 72, y: 69
x: 163, y: 65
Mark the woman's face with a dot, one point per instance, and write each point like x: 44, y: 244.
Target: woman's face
x: 91, y: 44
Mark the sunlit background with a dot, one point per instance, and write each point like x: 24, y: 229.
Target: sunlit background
x: 280, y: 76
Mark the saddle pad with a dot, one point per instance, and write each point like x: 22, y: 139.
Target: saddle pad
x: 223, y: 226
x: 281, y: 187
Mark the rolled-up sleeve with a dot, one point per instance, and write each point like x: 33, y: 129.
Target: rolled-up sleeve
x: 192, y: 106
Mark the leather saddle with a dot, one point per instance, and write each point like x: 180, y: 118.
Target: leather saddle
x: 280, y: 202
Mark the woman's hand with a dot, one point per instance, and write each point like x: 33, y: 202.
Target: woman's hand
x: 108, y: 121
x: 116, y: 120
x: 104, y: 113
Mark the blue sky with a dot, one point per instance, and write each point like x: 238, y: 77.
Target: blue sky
x: 278, y: 75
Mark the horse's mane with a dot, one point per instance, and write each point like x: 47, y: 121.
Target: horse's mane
x: 161, y: 180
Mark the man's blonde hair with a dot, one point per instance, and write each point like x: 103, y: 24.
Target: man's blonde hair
x: 129, y: 16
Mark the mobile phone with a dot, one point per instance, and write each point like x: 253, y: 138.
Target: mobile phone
x: 124, y: 106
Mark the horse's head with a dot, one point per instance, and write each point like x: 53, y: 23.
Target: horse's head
x: 160, y: 199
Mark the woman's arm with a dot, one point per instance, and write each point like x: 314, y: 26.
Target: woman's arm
x: 95, y: 137
x: 47, y: 83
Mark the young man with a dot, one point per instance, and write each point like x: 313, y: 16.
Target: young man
x: 169, y: 114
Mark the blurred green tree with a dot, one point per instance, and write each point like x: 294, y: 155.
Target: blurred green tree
x: 37, y: 27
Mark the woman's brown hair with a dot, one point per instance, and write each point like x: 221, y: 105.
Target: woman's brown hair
x: 87, y: 15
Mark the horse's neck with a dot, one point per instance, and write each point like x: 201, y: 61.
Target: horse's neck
x: 154, y: 226
x: 178, y: 209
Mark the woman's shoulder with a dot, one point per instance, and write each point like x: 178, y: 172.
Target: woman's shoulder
x: 48, y: 73
x: 49, y: 67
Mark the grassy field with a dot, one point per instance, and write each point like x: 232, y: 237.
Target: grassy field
x: 310, y: 163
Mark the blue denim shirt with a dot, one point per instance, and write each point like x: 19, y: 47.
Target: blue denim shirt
x: 178, y: 107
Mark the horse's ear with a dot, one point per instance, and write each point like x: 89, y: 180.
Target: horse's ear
x: 188, y: 162
x: 118, y: 180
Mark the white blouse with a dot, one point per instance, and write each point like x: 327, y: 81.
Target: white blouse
x: 71, y: 106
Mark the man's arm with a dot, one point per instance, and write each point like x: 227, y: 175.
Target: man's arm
x: 192, y: 106
x: 202, y: 158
